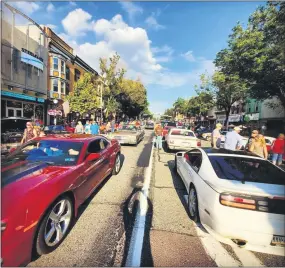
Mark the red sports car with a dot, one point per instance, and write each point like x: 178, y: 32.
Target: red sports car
x: 43, y: 184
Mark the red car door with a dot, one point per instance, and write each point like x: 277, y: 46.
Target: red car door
x: 94, y: 171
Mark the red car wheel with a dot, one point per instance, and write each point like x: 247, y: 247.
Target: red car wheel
x: 117, y: 166
x: 55, y: 225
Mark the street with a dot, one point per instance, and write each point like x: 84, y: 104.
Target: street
x: 101, y: 234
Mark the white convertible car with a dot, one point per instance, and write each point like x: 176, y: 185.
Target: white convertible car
x: 236, y: 196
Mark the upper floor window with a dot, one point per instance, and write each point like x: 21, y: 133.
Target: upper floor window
x: 256, y: 107
x: 76, y: 75
x: 62, y: 65
x: 29, y: 70
x: 67, y: 73
x: 55, y: 63
x: 55, y: 85
x: 62, y: 87
x: 67, y: 88
x: 15, y: 59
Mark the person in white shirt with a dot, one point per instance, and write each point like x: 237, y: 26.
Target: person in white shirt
x: 216, y: 136
x: 233, y: 140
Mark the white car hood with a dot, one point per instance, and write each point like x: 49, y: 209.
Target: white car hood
x: 253, y: 188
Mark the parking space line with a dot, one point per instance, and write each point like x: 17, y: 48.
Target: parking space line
x: 246, y: 257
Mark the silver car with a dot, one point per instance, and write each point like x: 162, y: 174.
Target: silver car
x: 128, y: 134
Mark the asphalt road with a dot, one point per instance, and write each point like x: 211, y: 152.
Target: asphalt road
x: 99, y: 234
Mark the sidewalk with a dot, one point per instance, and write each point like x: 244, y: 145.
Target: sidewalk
x: 172, y: 239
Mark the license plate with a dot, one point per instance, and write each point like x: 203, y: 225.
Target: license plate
x: 278, y: 240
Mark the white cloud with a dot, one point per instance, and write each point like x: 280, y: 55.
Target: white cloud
x: 152, y: 23
x: 51, y: 26
x: 50, y: 7
x: 26, y: 7
x: 77, y: 22
x: 132, y: 9
x: 163, y: 54
x: 189, y: 56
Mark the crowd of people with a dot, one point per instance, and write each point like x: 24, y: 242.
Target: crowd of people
x: 256, y: 143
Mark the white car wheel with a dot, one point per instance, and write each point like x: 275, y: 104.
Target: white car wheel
x: 193, y: 204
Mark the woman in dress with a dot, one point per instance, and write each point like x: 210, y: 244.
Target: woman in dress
x: 29, y: 133
x: 258, y: 146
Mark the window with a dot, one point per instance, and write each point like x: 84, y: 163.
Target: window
x: 15, y: 59
x: 182, y: 132
x: 66, y: 88
x: 14, y: 104
x: 55, y: 63
x: 67, y: 73
x: 233, y: 109
x: 248, y: 108
x: 55, y: 85
x: 3, y: 108
x: 62, y: 87
x: 28, y: 109
x: 247, y: 169
x: 76, y: 75
x: 96, y: 146
x: 106, y: 143
x: 29, y: 70
x: 62, y: 65
x: 194, y: 159
x: 256, y: 107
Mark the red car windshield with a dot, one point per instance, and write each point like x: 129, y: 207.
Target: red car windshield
x: 54, y: 152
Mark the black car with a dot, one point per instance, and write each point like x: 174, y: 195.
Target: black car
x: 12, y: 131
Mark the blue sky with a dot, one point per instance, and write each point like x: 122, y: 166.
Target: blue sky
x: 165, y: 44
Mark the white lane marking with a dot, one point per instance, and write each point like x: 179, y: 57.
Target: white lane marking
x: 215, y: 250
x: 246, y: 257
x: 136, y: 243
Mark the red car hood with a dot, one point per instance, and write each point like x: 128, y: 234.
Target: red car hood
x: 21, y: 177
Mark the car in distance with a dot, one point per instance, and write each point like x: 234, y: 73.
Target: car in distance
x: 149, y: 125
x: 167, y: 127
x: 12, y: 131
x: 236, y: 195
x: 181, y: 139
x: 43, y: 183
x: 128, y: 134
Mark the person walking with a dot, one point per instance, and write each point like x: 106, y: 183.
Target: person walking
x: 258, y: 146
x: 233, y: 139
x: 158, y: 134
x: 29, y: 133
x: 79, y: 128
x: 278, y: 149
x: 94, y: 128
x: 216, y: 136
x: 87, y: 127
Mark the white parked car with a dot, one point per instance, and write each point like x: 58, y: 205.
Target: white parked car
x: 237, y: 196
x: 181, y: 139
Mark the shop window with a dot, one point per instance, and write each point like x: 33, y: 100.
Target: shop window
x: 28, y: 110
x: 3, y: 108
x: 55, y: 85
x: 62, y: 87
x: 14, y: 104
x: 39, y: 112
x: 62, y: 65
x: 55, y: 64
x: 16, y: 56
x: 10, y: 112
x: 67, y: 73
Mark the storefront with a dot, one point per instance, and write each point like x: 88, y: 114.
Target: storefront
x: 233, y: 119
x: 19, y: 105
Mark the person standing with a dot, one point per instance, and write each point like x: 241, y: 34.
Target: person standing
x: 216, y: 136
x: 258, y: 146
x: 87, y: 127
x: 254, y: 133
x: 29, y: 133
x: 108, y: 127
x: 113, y: 125
x: 278, y: 149
x: 79, y: 128
x: 158, y: 133
x: 233, y: 139
x: 94, y: 128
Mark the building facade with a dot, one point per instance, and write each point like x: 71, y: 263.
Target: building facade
x: 64, y: 70
x: 24, y: 55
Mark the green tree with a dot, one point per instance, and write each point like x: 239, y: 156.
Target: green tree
x: 84, y: 98
x: 169, y: 112
x: 259, y: 52
x: 180, y: 106
x: 111, y: 107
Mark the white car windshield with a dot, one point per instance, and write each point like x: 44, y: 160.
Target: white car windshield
x: 182, y: 132
x: 247, y: 169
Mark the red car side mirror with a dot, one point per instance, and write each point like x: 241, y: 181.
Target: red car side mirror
x: 93, y: 157
x: 12, y: 150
